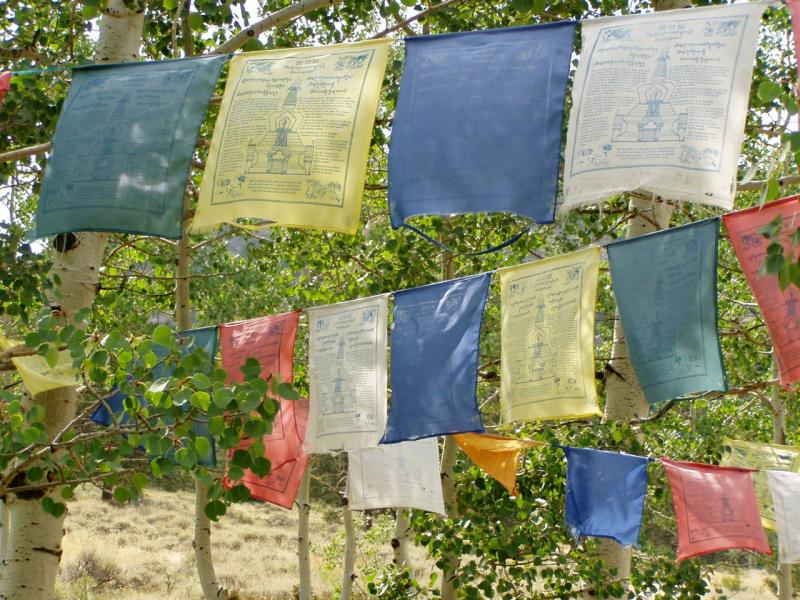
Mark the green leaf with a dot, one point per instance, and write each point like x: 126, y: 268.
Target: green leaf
x: 215, y: 509
x: 203, y: 447
x: 287, y: 391
x: 260, y: 466
x: 162, y: 335
x: 195, y: 21
x: 201, y: 400
x: 170, y: 4
x: 139, y: 480
x: 122, y: 495
x: 241, y: 458
x: 223, y: 397
x: 773, y: 263
x: 32, y: 340
x: 216, y: 425
x: 51, y: 356
x: 186, y: 457
x: 255, y: 428
x: 769, y: 90
x: 51, y: 507
x: 239, y: 493
x: 34, y: 474
x: 201, y: 381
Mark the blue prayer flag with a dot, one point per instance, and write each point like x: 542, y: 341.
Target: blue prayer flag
x: 665, y: 284
x: 204, y: 338
x: 478, y: 122
x: 123, y: 147
x: 434, y: 359
x: 605, y: 493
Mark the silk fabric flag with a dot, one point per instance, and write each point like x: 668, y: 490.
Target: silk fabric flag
x: 665, y: 284
x: 659, y: 105
x: 497, y: 455
x: 605, y: 494
x: 284, y: 449
x: 547, y: 345
x: 784, y: 489
x: 204, y: 338
x: 478, y: 122
x: 123, y: 147
x: 737, y: 453
x: 434, y: 359
x: 781, y: 309
x: 398, y: 475
x: 347, y: 374
x: 291, y: 141
x: 270, y: 340
x: 5, y: 84
x: 38, y: 376
x: 715, y: 509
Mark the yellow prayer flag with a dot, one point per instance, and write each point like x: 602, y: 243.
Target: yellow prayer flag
x: 291, y: 140
x: 37, y: 375
x: 749, y: 455
x: 496, y: 455
x: 547, y: 346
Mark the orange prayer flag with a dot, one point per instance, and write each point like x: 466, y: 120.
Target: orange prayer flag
x: 496, y: 455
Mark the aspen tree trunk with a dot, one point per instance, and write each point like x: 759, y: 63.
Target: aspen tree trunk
x: 624, y: 398
x: 33, y: 553
x: 349, y: 572
x: 779, y: 437
x: 402, y: 536
x: 303, y: 538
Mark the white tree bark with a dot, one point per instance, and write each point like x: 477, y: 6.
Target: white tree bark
x: 401, y: 539
x: 31, y: 560
x: 303, y: 538
x: 202, y: 546
x: 349, y: 571
x: 449, y: 453
x: 779, y: 437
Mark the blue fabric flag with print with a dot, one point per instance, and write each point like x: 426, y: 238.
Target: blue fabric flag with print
x: 479, y: 121
x: 665, y: 284
x: 605, y: 493
x: 434, y: 359
x: 123, y: 147
x: 204, y: 338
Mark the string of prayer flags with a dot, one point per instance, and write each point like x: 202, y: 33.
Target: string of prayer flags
x: 291, y: 141
x: 665, y: 284
x: 659, y: 104
x: 497, y: 455
x: 781, y: 309
x: 715, y: 509
x: 605, y: 493
x: 434, y: 359
x: 497, y: 148
x: 270, y: 340
x: 123, y: 147
x: 784, y: 488
x: 398, y: 475
x: 283, y: 449
x: 347, y: 374
x: 737, y: 453
x: 547, y: 345
x: 37, y: 375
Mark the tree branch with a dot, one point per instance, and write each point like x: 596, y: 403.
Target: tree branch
x: 20, y: 53
x: 757, y: 185
x: 417, y: 16
x: 271, y: 21
x: 13, y: 155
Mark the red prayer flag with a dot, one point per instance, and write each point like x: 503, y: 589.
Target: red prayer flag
x: 284, y: 449
x: 5, y: 84
x: 715, y: 509
x: 794, y: 8
x: 270, y: 340
x: 781, y: 309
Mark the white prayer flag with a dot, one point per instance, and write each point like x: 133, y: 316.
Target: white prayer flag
x: 784, y: 487
x: 347, y: 372
x: 405, y: 474
x: 659, y: 105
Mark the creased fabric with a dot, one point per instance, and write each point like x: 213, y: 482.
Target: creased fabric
x: 37, y: 376
x: 434, y: 359
x: 123, y: 147
x: 659, y: 104
x: 715, y: 509
x: 347, y: 374
x: 497, y: 455
x: 784, y: 490
x: 665, y: 285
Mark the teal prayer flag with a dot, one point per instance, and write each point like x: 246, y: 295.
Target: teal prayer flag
x: 665, y: 284
x: 123, y: 147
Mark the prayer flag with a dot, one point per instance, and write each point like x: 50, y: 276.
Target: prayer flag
x: 659, y: 104
x: 781, y: 309
x: 736, y: 453
x: 497, y: 455
x: 204, y: 338
x: 291, y: 141
x: 605, y: 493
x: 794, y: 9
x: 347, y: 374
x: 665, y: 284
x: 5, y: 84
x: 270, y: 340
x: 478, y: 122
x: 123, y: 147
x: 434, y: 359
x: 284, y: 449
x: 785, y: 491
x: 715, y: 509
x: 398, y: 475
x: 547, y: 345
x: 37, y: 375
